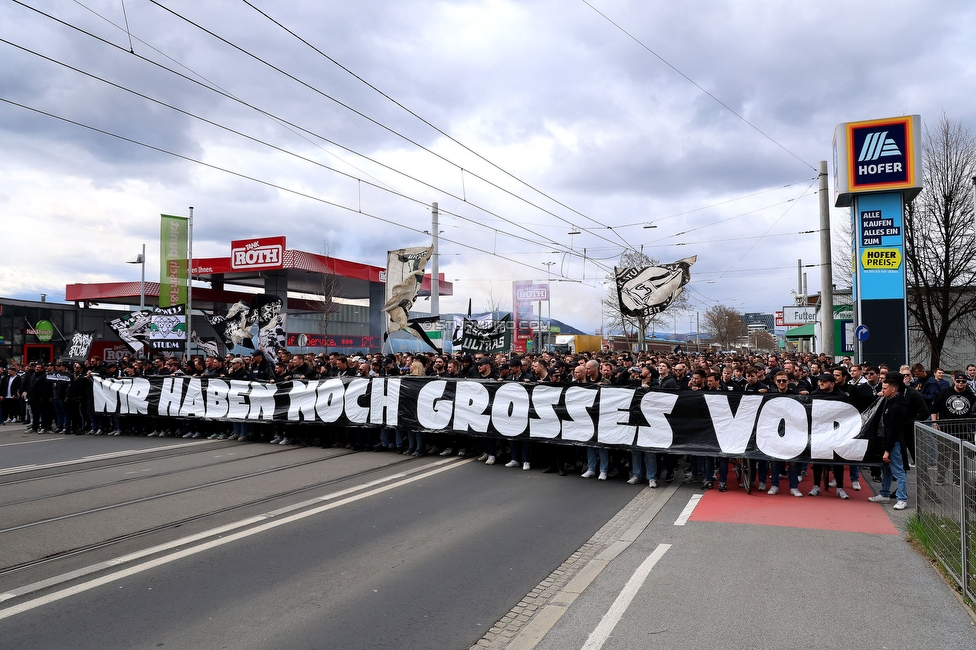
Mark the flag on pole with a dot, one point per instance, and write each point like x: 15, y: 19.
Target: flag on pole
x: 648, y: 290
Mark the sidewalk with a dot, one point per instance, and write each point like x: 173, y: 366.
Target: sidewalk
x: 756, y: 570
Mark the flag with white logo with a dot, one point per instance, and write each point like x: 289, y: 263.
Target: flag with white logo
x: 79, y: 347
x: 133, y: 329
x: 489, y: 335
x: 649, y: 290
x: 271, y: 328
x: 235, y: 328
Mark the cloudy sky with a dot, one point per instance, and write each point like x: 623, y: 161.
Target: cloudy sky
x: 336, y: 124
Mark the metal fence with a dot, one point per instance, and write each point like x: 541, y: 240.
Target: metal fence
x: 946, y: 495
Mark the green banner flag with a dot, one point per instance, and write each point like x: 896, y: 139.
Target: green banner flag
x: 173, y: 254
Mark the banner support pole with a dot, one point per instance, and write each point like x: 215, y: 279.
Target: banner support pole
x: 189, y: 282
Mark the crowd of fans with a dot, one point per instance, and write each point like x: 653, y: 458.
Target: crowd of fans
x: 56, y: 398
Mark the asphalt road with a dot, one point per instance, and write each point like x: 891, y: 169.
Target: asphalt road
x: 154, y: 543
x: 365, y: 550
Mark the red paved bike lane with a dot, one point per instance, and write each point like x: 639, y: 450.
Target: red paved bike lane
x: 823, y: 512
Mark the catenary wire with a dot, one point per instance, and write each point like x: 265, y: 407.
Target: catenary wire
x: 389, y: 129
x: 255, y: 179
x: 268, y: 144
x: 436, y: 128
x: 696, y: 85
x: 549, y: 241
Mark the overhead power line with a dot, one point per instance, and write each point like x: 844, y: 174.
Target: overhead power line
x: 254, y: 179
x: 698, y: 86
x: 366, y: 117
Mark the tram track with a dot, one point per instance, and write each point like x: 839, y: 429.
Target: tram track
x: 126, y: 480
x: 171, y: 493
x: 80, y: 550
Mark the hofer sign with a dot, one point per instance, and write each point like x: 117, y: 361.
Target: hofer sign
x: 261, y: 254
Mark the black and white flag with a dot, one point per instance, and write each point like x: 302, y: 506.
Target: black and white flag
x: 404, y: 273
x: 133, y: 329
x: 207, y: 344
x: 79, y: 347
x: 235, y: 328
x: 271, y: 322
x: 489, y: 335
x: 649, y: 290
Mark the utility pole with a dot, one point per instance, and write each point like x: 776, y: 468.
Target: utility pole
x: 435, y: 287
x: 826, y: 269
x: 189, y: 282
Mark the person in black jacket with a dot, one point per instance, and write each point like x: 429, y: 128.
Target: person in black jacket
x: 894, y: 421
x: 39, y: 397
x: 10, y: 395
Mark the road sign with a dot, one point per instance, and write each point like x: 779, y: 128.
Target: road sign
x: 861, y: 333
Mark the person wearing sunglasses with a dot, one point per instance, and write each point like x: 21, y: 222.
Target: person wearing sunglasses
x: 782, y: 386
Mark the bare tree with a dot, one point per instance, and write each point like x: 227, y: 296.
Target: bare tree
x: 635, y: 327
x: 726, y: 325
x: 842, y: 252
x: 940, y: 238
x: 492, y: 305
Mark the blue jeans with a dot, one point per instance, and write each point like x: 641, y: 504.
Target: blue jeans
x: 894, y: 468
x: 794, y: 474
x: 649, y: 460
x: 723, y: 469
x: 591, y: 454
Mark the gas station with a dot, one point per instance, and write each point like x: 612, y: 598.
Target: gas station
x: 336, y: 303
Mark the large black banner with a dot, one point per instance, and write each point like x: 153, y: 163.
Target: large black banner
x: 785, y: 427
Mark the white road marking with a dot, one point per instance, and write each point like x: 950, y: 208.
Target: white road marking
x: 88, y: 459
x: 30, y: 442
x: 690, y: 508
x: 275, y: 517
x: 609, y: 621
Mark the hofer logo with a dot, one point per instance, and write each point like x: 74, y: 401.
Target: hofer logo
x: 882, y: 150
x: 264, y: 253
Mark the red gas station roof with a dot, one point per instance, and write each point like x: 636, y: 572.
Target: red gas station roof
x: 304, y: 272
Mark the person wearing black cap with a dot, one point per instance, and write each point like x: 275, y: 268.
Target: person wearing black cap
x: 953, y: 403
x: 893, y: 430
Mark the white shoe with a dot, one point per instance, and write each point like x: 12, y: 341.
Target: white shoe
x: 284, y: 441
x: 815, y: 491
x: 633, y: 480
x: 588, y: 474
x: 762, y: 487
x: 652, y: 483
x: 877, y: 498
x: 447, y: 452
x: 602, y: 476
x: 842, y: 494
x: 833, y: 483
x: 774, y: 489
x: 482, y: 458
x: 490, y: 461
x: 796, y: 492
x: 276, y: 440
x: 526, y: 467
x: 856, y: 485
x: 462, y: 453
x: 900, y: 505
x: 512, y: 463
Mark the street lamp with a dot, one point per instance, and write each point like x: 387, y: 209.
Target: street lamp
x: 141, y: 259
